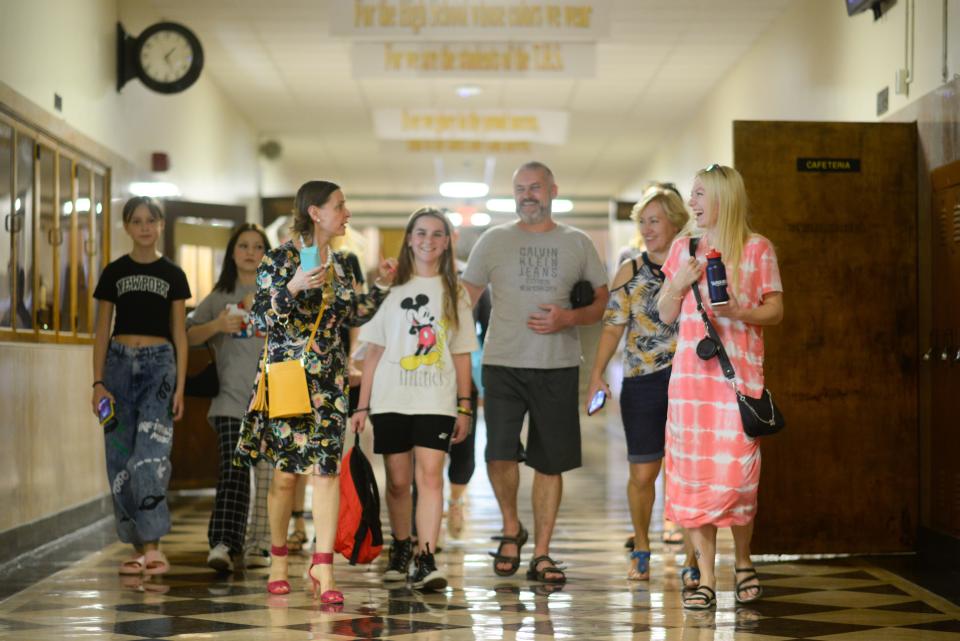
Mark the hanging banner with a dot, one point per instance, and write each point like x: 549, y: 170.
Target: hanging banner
x: 452, y: 20
x: 546, y: 59
x: 493, y: 125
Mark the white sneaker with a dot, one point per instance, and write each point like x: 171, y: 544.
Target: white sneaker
x: 256, y: 558
x: 219, y: 558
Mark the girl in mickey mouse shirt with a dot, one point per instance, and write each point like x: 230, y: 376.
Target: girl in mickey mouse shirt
x: 416, y: 387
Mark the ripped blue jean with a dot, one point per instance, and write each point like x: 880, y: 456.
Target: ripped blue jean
x: 142, y: 381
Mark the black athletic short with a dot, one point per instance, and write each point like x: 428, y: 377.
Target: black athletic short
x: 550, y: 398
x: 398, y: 433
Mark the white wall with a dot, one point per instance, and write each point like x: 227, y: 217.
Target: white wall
x: 69, y: 47
x: 815, y: 63
x: 55, y: 460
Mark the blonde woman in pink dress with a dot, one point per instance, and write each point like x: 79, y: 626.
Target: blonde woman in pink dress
x: 712, y: 467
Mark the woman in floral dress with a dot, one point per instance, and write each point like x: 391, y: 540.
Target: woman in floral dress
x: 712, y: 467
x: 287, y: 303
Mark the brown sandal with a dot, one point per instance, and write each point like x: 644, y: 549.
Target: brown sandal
x: 519, y: 539
x: 533, y: 574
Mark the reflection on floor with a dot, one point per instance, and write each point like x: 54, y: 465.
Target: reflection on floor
x: 846, y: 600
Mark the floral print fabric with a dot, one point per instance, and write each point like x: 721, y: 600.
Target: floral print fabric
x: 650, y: 343
x: 312, y: 442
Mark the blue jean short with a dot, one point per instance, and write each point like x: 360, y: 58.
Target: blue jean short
x: 643, y: 407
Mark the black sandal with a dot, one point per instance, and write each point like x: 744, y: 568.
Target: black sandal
x: 518, y: 539
x: 740, y: 587
x: 533, y: 574
x: 699, y: 599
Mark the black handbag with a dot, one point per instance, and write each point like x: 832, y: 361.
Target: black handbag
x: 582, y: 294
x: 760, y: 416
x: 206, y: 382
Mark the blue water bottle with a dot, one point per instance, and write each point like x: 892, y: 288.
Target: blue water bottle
x: 716, y: 279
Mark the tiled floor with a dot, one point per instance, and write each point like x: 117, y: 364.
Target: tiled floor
x: 847, y: 600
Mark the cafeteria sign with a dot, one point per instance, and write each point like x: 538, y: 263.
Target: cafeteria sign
x: 829, y: 165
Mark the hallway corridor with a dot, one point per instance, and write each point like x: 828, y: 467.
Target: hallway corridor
x: 838, y: 600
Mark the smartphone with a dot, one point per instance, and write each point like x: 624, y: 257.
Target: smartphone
x: 309, y: 258
x: 597, y: 402
x: 106, y: 411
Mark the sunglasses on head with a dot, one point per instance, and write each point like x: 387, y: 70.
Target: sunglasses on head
x: 716, y: 167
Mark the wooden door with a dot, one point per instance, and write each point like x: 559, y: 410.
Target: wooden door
x: 942, y: 483
x: 839, y: 202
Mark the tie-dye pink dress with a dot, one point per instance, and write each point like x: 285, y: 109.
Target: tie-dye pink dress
x: 712, y: 468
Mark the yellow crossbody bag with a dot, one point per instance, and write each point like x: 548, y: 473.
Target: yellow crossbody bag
x: 286, y: 381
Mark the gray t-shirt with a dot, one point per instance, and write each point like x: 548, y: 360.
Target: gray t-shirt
x: 526, y: 269
x: 237, y: 355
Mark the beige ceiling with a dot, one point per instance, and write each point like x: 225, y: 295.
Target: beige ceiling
x: 279, y: 64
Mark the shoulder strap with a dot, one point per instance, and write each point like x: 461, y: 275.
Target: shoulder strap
x: 725, y: 363
x: 636, y: 270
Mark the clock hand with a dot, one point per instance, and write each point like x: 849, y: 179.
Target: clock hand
x: 167, y: 56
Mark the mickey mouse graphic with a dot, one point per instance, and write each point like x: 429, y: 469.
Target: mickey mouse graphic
x: 421, y: 321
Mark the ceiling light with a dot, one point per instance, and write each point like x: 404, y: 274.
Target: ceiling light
x: 463, y: 190
x: 154, y: 189
x: 469, y: 91
x: 480, y: 219
x: 83, y: 204
x: 504, y: 205
x: 455, y: 218
x: 508, y: 205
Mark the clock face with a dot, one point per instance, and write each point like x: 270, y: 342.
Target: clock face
x: 166, y: 56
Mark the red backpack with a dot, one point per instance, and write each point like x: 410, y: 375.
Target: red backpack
x: 359, y: 537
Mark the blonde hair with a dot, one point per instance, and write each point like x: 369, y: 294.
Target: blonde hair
x: 448, y: 270
x: 669, y: 200
x: 724, y: 189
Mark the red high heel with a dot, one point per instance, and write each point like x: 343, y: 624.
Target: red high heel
x: 330, y: 597
x: 282, y: 586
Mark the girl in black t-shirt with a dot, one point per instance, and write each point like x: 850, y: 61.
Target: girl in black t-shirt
x: 138, y: 376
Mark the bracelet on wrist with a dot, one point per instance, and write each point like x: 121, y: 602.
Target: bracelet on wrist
x: 361, y: 409
x: 464, y: 411
x: 379, y: 285
x: 95, y: 383
x: 464, y: 398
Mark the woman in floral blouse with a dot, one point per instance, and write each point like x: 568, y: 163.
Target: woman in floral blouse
x: 287, y: 303
x: 647, y: 359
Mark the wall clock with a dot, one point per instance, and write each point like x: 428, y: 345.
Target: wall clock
x: 166, y: 57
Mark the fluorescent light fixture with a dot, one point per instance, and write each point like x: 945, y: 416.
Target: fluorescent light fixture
x: 503, y: 205
x: 154, y: 189
x: 469, y: 91
x: 68, y: 208
x: 99, y: 208
x: 508, y: 205
x: 205, y: 222
x: 463, y: 190
x: 455, y: 218
x: 83, y: 204
x: 16, y: 205
x: 480, y: 219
